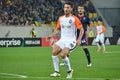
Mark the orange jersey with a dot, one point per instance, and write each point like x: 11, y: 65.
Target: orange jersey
x: 68, y: 26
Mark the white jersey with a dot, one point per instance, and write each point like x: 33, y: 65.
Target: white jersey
x: 68, y: 26
x: 100, y: 33
x: 100, y: 30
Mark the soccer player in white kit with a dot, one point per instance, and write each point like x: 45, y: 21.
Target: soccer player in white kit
x: 68, y: 25
x: 100, y: 30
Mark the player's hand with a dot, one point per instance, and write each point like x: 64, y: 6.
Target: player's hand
x: 86, y: 33
x: 49, y: 38
x: 78, y: 42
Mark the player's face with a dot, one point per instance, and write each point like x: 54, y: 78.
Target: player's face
x: 81, y: 10
x: 99, y: 22
x: 67, y: 9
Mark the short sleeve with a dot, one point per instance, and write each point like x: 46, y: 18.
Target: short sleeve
x: 58, y: 23
x: 103, y: 29
x: 78, y: 23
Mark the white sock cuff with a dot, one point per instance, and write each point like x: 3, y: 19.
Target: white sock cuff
x: 54, y: 56
x: 103, y: 45
x: 65, y: 58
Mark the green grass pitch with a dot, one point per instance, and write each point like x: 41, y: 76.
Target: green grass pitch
x: 36, y: 64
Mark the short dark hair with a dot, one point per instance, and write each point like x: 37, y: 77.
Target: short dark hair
x: 81, y: 6
x: 69, y: 3
x: 100, y: 19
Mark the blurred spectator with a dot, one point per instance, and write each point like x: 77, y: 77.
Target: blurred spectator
x: 33, y: 33
x: 27, y: 12
x: 89, y: 7
x: 91, y: 34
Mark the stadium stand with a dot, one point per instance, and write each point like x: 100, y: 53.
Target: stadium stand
x: 41, y: 12
x: 27, y: 12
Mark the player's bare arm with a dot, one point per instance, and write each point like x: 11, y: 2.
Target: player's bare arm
x: 89, y: 28
x: 80, y: 36
x: 56, y: 31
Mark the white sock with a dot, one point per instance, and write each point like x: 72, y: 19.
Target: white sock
x: 98, y: 45
x: 67, y: 62
x: 103, y: 45
x: 55, y: 63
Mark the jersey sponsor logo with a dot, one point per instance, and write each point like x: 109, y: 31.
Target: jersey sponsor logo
x: 68, y: 26
x: 84, y: 18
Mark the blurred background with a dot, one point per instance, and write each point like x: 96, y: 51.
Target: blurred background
x: 27, y: 60
x: 17, y: 17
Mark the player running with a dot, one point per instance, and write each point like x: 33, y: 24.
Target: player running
x: 68, y: 25
x: 100, y: 30
x: 86, y: 26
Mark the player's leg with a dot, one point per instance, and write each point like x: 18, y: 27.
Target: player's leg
x: 86, y: 51
x: 64, y: 54
x: 71, y: 50
x: 56, y: 50
x: 102, y: 42
x: 62, y: 63
x: 97, y: 43
x: 69, y: 45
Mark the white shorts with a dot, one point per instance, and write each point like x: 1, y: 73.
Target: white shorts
x: 71, y: 44
x: 100, y: 38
